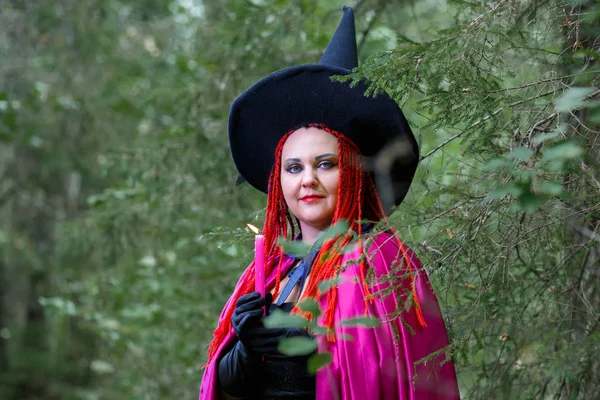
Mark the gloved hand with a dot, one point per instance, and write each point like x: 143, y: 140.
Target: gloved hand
x: 237, y: 367
x: 247, y: 315
x: 266, y: 340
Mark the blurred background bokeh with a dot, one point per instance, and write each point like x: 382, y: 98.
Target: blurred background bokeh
x: 122, y: 232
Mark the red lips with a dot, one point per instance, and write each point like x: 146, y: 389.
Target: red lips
x: 311, y: 197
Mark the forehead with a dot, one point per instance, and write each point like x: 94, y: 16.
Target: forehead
x: 309, y: 141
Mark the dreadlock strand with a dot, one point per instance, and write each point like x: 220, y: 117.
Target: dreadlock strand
x: 278, y: 276
x: 330, y: 313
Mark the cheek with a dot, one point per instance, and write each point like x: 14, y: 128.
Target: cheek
x: 287, y: 187
x: 332, y: 183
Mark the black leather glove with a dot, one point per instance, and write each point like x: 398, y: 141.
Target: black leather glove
x: 266, y: 340
x: 247, y: 315
x: 236, y: 369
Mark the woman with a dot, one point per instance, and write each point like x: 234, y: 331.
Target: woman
x: 305, y: 140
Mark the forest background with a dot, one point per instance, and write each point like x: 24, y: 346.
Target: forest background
x: 122, y: 232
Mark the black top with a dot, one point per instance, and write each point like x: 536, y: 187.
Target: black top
x: 284, y: 377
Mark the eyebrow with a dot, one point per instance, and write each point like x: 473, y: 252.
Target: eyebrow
x: 326, y: 155
x: 322, y: 156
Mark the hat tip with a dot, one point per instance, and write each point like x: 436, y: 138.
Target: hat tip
x: 342, y: 51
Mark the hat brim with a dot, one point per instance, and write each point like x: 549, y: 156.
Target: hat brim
x: 289, y: 99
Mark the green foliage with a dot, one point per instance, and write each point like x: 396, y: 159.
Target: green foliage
x: 318, y: 361
x: 296, y: 249
x: 573, y: 98
x: 368, y: 322
x: 122, y: 233
x: 281, y: 319
x: 310, y: 306
x: 341, y: 227
x: 300, y: 249
x: 325, y: 285
x: 504, y: 205
x: 297, y: 346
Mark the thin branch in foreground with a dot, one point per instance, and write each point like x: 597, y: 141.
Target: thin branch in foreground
x: 485, y: 119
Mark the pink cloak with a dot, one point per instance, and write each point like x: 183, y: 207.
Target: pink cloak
x: 378, y: 363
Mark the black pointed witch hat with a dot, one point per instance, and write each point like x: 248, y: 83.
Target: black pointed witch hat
x: 305, y: 94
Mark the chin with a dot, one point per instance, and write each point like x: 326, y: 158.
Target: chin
x: 318, y: 223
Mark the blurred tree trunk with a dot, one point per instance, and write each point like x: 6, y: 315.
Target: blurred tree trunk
x: 29, y: 232
x: 583, y: 247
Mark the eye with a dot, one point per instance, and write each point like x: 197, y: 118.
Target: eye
x: 326, y: 164
x: 293, y: 168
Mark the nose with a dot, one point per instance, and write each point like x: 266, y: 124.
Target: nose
x: 309, y: 178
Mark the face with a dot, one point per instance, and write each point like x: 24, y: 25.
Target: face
x: 310, y: 176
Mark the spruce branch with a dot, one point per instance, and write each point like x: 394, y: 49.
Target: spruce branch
x: 485, y: 119
x: 538, y: 82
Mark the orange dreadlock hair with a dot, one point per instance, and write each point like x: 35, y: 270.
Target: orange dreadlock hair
x: 358, y: 202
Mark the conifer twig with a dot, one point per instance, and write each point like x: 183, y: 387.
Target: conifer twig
x: 445, y: 212
x: 558, y: 78
x: 484, y: 119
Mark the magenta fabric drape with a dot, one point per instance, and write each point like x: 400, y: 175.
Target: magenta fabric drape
x: 377, y: 363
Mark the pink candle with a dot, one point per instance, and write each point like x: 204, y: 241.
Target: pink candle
x: 259, y: 261
x: 259, y: 264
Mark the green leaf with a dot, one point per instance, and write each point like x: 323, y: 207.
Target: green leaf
x: 495, y: 164
x: 96, y: 199
x: 311, y: 306
x: 346, y: 337
x: 281, y: 319
x: 350, y: 247
x: 333, y: 231
x: 563, y: 151
x: 368, y: 322
x: 512, y: 189
x: 329, y: 283
x: 553, y: 188
x: 529, y: 202
x: 318, y: 361
x: 65, y: 306
x: 522, y: 175
x: 101, y: 367
x: 520, y: 153
x: 594, y: 112
x: 573, y: 98
x: 318, y: 330
x: 297, y: 346
x: 556, y: 133
x: 581, y: 53
x: 296, y: 249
